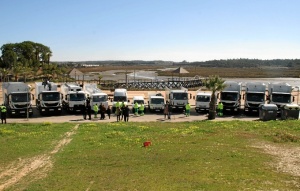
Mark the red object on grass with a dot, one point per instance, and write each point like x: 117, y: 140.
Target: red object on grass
x: 147, y: 144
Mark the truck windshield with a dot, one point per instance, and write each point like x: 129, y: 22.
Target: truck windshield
x: 51, y: 96
x: 180, y: 96
x: 139, y: 101
x: 77, y: 97
x: 230, y: 96
x: 99, y: 98
x: 20, y: 97
x: 281, y: 98
x: 157, y: 101
x: 255, y: 97
x: 203, y: 98
x: 120, y: 98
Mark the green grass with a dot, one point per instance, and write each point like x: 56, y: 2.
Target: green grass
x: 206, y: 155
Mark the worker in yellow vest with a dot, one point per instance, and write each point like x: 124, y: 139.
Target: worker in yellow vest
x: 142, y: 107
x: 96, y: 109
x: 187, y: 109
x: 136, y: 108
x: 220, y: 109
x: 3, y: 113
x: 117, y: 106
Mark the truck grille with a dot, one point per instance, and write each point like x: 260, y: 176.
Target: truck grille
x: 50, y: 104
x: 21, y: 105
x: 253, y: 105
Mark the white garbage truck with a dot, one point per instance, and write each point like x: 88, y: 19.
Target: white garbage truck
x: 280, y: 94
x: 178, y: 98
x: 17, y: 98
x: 230, y: 96
x: 73, y: 97
x: 202, y: 101
x: 156, y: 102
x: 255, y: 94
x: 48, y: 98
x: 96, y: 95
x: 120, y: 95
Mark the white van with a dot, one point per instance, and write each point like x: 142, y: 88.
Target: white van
x: 121, y: 96
x: 139, y: 100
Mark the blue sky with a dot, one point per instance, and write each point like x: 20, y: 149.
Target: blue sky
x: 169, y: 30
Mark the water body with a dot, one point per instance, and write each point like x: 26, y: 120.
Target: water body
x: 292, y: 81
x: 152, y: 75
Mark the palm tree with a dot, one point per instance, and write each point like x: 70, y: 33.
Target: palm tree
x: 4, y: 74
x: 99, y: 78
x: 214, y: 84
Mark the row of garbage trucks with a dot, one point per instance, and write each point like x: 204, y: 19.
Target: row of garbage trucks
x: 17, y: 97
x: 253, y: 95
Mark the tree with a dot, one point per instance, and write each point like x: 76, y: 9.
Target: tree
x: 99, y: 78
x: 214, y: 84
x: 25, y: 52
x: 4, y: 74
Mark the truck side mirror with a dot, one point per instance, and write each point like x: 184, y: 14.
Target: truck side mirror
x: 32, y: 96
x: 66, y: 97
x: 293, y: 98
x: 148, y: 102
x: 244, y: 97
x: 190, y: 96
x: 194, y: 97
x: 128, y: 101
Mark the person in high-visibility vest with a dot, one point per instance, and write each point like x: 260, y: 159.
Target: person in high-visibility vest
x: 3, y: 113
x: 187, y: 109
x: 136, y: 108
x: 96, y: 109
x: 117, y: 106
x: 220, y: 109
x: 142, y: 107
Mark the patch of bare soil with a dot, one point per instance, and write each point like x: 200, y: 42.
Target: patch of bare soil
x: 287, y: 158
x: 36, y: 167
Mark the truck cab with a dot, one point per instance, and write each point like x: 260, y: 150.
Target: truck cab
x: 73, y: 97
x: 17, y: 98
x: 139, y: 100
x: 231, y: 96
x: 255, y: 94
x: 96, y: 95
x: 48, y: 99
x: 202, y: 101
x: 120, y: 95
x: 177, y: 98
x: 156, y: 102
x: 280, y: 94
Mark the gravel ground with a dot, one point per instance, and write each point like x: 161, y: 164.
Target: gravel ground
x: 159, y: 117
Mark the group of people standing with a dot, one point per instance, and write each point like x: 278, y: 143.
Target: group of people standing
x: 122, y: 111
x: 169, y: 107
x: 102, y: 110
x: 87, y: 110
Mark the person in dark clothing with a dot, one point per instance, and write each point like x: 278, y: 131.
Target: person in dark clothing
x: 118, y: 113
x: 126, y: 111
x: 170, y: 108
x: 89, y: 111
x: 83, y: 110
x: 102, y: 111
x: 108, y: 111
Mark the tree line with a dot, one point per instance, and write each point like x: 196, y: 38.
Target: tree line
x: 27, y: 59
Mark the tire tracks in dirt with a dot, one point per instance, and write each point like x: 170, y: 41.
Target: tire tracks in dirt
x: 39, y: 165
